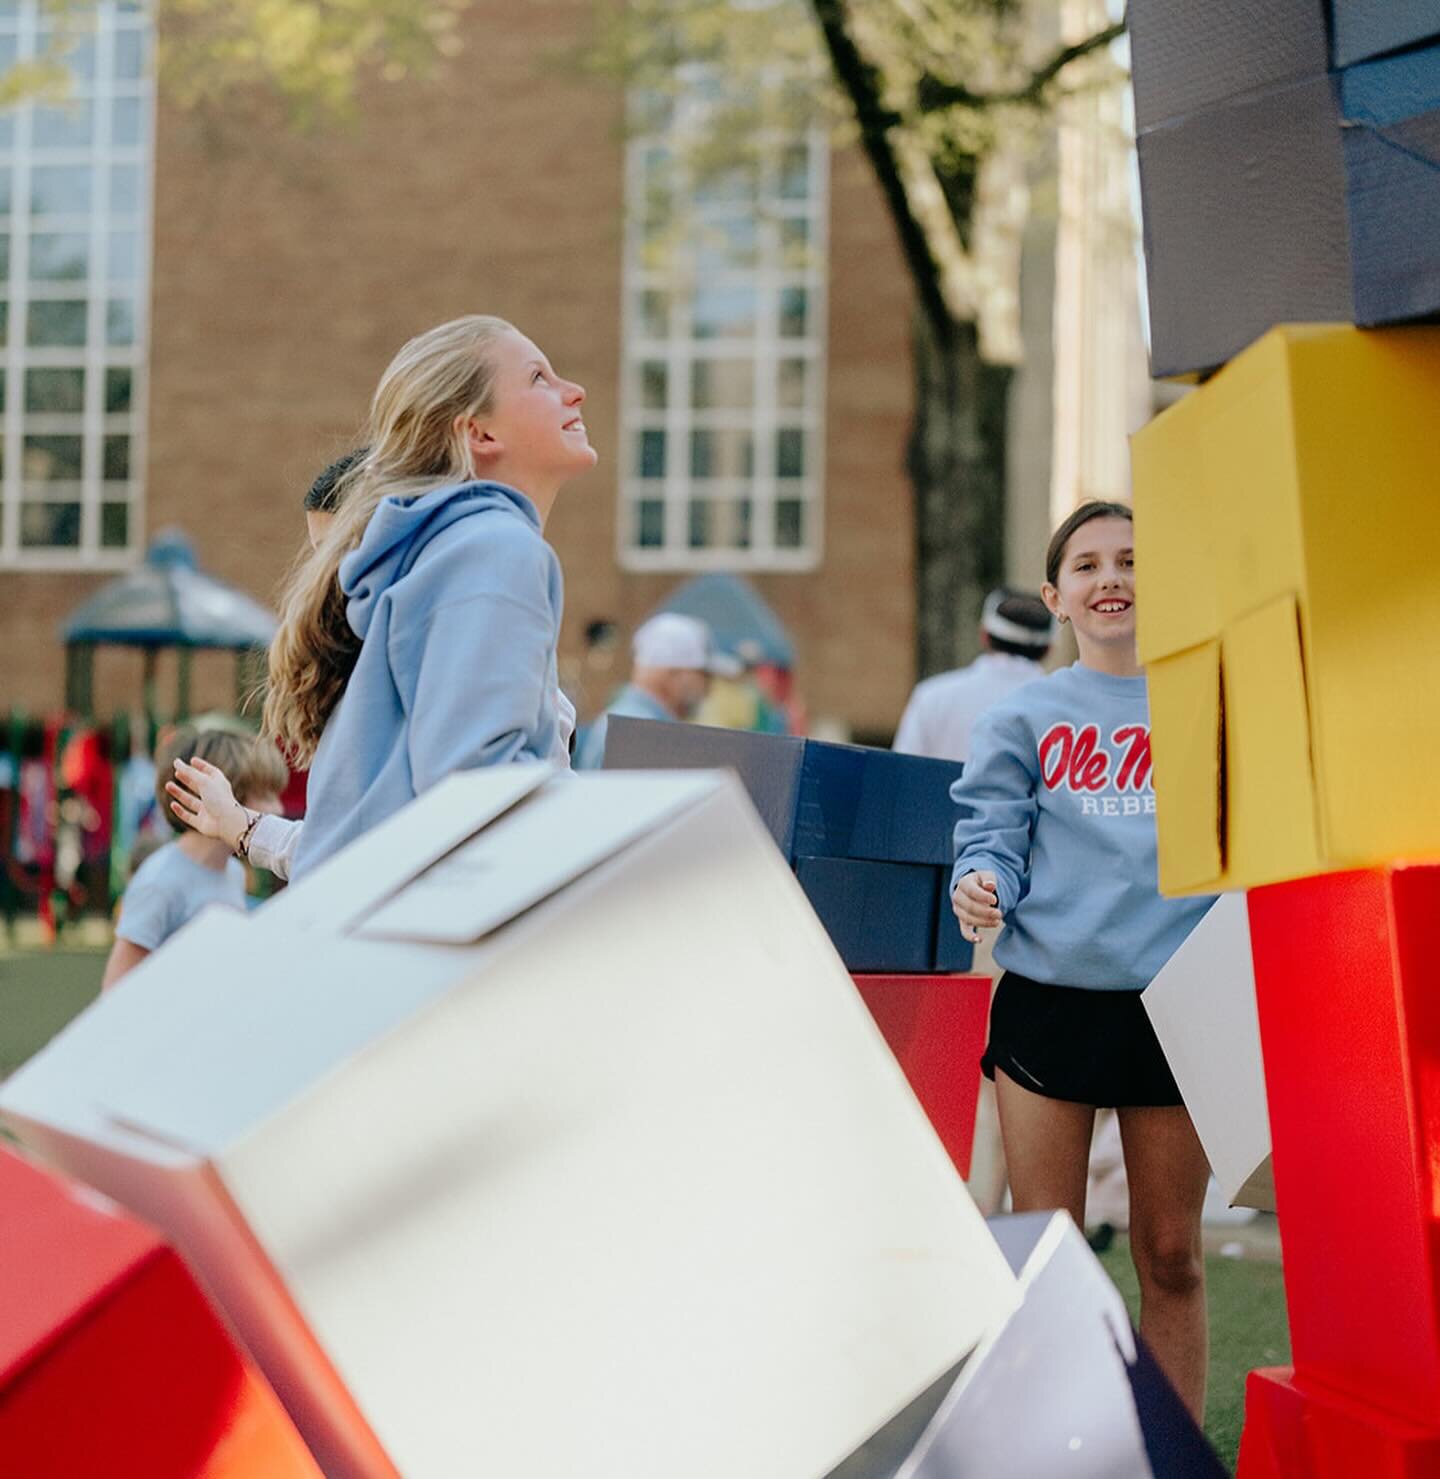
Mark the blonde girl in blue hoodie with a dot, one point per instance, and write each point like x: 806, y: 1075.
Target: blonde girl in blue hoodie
x: 418, y: 637
x: 1056, y: 847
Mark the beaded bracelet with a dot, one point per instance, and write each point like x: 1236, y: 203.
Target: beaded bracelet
x: 242, y: 843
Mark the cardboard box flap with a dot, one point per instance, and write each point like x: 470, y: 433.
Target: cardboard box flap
x: 1202, y: 1006
x: 1217, y: 517
x: 1272, y: 829
x: 202, y: 1042
x: 557, y: 836
x: 1174, y: 535
x: 1369, y: 28
x: 1188, y: 735
x: 360, y: 877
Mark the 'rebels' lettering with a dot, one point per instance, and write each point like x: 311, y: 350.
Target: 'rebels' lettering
x: 1075, y: 760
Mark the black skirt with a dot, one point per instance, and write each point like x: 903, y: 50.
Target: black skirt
x: 1068, y: 1042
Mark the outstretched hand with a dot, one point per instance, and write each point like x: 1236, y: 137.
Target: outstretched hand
x: 201, y: 797
x: 976, y: 902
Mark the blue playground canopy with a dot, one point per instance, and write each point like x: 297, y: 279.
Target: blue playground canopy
x: 169, y: 602
x: 742, y: 624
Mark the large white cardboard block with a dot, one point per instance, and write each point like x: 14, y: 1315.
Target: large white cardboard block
x: 543, y: 1133
x: 1202, y: 1006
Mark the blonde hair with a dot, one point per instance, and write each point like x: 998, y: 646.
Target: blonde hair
x: 415, y: 442
x: 252, y: 766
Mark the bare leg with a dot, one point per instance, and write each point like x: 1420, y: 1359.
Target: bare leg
x: 1168, y: 1174
x: 1047, y: 1148
x: 987, y: 1159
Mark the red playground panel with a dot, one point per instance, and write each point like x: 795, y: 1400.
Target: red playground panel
x: 1294, y: 1430
x: 111, y: 1360
x: 1347, y: 976
x: 935, y: 1026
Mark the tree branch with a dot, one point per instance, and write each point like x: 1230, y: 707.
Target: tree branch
x: 933, y: 94
x: 859, y: 79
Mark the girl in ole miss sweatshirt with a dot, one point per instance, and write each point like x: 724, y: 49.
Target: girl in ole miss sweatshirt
x: 1056, y: 846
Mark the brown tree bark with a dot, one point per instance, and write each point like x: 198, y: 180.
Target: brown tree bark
x: 957, y: 467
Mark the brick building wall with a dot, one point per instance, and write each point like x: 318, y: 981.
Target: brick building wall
x: 289, y: 267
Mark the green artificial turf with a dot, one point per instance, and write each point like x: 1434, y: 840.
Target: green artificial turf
x: 40, y: 990
x: 1248, y: 1328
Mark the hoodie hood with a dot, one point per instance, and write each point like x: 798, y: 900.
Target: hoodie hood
x: 401, y: 527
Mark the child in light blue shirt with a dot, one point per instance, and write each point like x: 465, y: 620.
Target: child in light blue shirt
x: 175, y: 883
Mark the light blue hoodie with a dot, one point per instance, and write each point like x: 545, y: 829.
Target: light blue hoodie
x: 1057, y: 801
x: 456, y: 598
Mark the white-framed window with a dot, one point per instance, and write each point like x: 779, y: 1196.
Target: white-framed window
x: 75, y: 194
x: 723, y: 393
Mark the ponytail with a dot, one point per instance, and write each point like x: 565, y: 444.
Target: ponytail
x: 416, y: 442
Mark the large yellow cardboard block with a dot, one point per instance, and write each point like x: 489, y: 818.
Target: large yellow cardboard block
x: 1287, y: 521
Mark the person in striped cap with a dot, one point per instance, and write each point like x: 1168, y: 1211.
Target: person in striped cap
x: 1016, y: 631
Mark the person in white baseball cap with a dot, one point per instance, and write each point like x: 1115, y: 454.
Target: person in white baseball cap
x: 674, y: 658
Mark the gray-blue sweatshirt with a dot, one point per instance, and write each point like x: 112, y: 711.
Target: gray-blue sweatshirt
x: 1057, y: 801
x: 456, y: 598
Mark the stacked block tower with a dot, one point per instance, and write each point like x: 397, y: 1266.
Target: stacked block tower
x: 1287, y: 527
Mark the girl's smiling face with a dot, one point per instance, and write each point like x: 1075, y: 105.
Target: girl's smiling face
x: 1095, y: 589
x: 534, y: 436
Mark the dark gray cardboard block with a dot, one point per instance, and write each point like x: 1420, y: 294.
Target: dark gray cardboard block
x: 1369, y: 28
x: 818, y: 799
x: 1192, y: 54
x: 1245, y: 224
x: 768, y: 764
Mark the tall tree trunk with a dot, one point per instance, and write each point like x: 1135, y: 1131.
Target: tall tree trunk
x: 956, y: 463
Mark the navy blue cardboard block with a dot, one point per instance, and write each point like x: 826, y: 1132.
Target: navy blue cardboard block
x: 879, y: 916
x: 817, y: 799
x: 1191, y: 54
x: 1392, y: 163
x: 1245, y: 224
x: 1369, y: 28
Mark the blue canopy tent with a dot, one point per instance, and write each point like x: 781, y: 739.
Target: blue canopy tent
x: 168, y: 601
x: 742, y: 624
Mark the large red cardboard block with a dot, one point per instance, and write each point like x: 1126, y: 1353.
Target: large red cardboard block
x: 1347, y: 974
x: 935, y: 1026
x: 1296, y: 1430
x: 111, y: 1360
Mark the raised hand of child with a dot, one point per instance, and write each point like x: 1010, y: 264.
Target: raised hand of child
x: 201, y: 797
x: 976, y: 904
